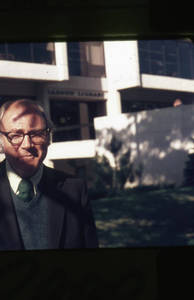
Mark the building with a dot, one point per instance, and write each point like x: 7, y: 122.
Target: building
x: 79, y: 82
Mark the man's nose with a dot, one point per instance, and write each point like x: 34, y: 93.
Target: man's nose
x: 26, y: 143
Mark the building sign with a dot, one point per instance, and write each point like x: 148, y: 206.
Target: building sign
x: 74, y: 93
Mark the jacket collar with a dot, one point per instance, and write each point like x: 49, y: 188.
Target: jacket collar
x: 15, y: 179
x: 49, y: 186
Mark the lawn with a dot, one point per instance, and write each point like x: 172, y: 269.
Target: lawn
x: 161, y: 217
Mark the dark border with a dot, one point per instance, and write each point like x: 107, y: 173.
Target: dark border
x: 58, y: 20
x: 142, y: 273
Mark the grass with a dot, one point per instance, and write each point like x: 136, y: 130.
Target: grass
x: 162, y: 217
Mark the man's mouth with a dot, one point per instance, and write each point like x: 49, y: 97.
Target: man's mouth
x: 28, y: 156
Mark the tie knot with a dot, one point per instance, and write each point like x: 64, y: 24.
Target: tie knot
x: 25, y: 190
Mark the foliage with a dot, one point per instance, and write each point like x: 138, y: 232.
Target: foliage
x: 102, y: 182
x: 189, y: 170
x: 110, y: 180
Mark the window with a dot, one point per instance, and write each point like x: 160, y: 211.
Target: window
x: 66, y: 118
x: 74, y: 120
x: 74, y: 58
x: 128, y: 106
x: 167, y: 57
x: 43, y: 53
x: 86, y: 59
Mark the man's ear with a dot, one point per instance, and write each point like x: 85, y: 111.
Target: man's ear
x: 1, y: 145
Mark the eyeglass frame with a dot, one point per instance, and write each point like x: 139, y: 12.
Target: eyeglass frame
x: 47, y: 130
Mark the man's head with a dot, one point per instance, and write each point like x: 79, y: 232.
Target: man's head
x: 24, y: 135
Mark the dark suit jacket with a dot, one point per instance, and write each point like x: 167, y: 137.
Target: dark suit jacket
x: 71, y: 223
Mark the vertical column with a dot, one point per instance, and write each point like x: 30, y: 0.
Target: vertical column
x: 84, y: 121
x: 122, y: 71
x: 113, y: 105
x: 61, y: 56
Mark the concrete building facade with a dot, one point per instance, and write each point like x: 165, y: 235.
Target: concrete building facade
x: 80, y: 84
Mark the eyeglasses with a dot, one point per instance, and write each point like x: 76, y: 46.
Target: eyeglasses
x: 37, y: 137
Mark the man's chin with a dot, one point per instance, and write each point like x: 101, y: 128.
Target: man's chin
x: 28, y: 166
x: 29, y: 163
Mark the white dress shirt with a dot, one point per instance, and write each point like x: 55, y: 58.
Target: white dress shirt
x: 15, y: 179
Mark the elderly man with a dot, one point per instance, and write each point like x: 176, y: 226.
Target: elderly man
x: 40, y: 208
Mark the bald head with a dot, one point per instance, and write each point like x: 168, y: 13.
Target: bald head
x: 24, y: 135
x: 26, y: 106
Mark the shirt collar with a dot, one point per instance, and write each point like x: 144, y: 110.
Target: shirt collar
x: 14, y: 179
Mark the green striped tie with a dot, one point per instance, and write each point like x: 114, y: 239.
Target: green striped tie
x: 26, y: 191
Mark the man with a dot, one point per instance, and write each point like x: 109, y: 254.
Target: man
x: 40, y: 208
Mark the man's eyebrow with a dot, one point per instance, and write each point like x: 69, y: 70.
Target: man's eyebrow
x: 36, y: 130
x: 16, y: 130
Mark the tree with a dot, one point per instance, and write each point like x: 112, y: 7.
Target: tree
x: 111, y: 179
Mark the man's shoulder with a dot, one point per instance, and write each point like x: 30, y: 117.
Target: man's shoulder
x: 69, y: 185
x: 61, y: 175
x: 2, y: 164
x: 2, y: 167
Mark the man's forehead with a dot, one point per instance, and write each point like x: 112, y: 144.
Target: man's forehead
x: 17, y: 114
x: 17, y: 111
x: 24, y: 108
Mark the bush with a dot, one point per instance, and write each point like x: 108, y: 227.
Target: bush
x: 110, y: 181
x: 102, y: 182
x: 189, y: 171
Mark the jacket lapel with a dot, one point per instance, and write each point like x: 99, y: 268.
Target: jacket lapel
x: 10, y: 237
x: 49, y: 187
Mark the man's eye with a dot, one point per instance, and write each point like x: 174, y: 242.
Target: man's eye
x: 15, y: 136
x: 36, y: 134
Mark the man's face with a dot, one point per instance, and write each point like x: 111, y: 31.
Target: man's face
x: 26, y: 157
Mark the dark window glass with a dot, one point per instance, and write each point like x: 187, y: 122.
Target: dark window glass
x: 157, y: 67
x: 43, y: 54
x: 2, y: 51
x: 145, y: 55
x: 73, y: 50
x: 171, y: 70
x: 185, y: 58
x: 192, y: 63
x: 67, y: 135
x: 128, y: 106
x: 144, y: 65
x: 167, y: 57
x: 156, y: 56
x: 65, y: 116
x: 143, y: 45
x: 170, y: 46
x: 156, y: 45
x: 86, y: 59
x: 19, y: 52
x: 64, y: 112
x: 171, y: 57
x: 185, y: 71
x: 28, y: 52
